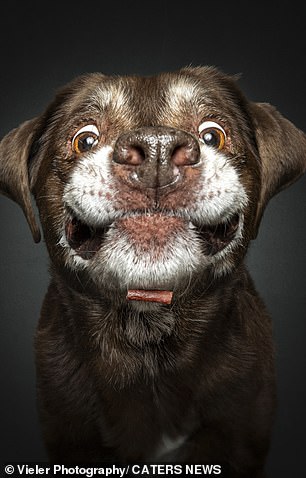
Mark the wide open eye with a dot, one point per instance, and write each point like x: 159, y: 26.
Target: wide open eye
x: 212, y: 134
x: 85, y: 139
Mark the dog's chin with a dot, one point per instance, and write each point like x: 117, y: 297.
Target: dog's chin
x: 156, y: 250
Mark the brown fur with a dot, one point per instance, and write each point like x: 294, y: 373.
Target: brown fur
x: 112, y: 382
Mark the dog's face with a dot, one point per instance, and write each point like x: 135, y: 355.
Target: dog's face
x: 147, y: 183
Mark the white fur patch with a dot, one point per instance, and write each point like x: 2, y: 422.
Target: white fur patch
x: 134, y: 268
x: 220, y: 193
x: 114, y: 96
x: 90, y: 192
x: 181, y: 91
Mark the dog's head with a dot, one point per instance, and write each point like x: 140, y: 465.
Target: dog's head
x: 147, y: 182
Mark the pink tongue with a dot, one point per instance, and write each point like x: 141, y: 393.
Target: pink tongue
x: 161, y: 296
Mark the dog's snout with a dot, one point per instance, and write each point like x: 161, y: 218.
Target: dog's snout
x: 158, y: 155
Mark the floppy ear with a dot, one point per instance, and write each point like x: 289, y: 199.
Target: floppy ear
x: 282, y: 151
x: 15, y: 150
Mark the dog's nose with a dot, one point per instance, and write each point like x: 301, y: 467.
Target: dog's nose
x: 155, y: 157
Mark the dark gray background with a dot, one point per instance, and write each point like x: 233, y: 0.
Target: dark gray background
x: 42, y: 46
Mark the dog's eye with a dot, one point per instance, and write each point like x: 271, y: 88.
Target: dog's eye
x: 85, y: 139
x: 212, y: 134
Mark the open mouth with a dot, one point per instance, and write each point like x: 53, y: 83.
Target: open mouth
x: 83, y: 239
x: 216, y: 237
x: 86, y: 240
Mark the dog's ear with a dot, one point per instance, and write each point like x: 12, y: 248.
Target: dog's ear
x: 282, y: 151
x: 15, y: 149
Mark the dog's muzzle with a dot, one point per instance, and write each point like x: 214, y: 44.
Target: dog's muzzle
x: 155, y: 157
x: 156, y: 198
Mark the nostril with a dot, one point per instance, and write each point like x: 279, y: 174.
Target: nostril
x: 185, y: 155
x: 133, y: 155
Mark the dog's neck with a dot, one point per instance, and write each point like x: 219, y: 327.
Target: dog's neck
x: 147, y: 336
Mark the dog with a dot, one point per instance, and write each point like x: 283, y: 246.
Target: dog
x: 153, y: 344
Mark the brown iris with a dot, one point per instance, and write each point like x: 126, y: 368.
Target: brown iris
x: 84, y: 142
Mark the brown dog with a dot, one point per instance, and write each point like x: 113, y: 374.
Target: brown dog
x: 147, y: 184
